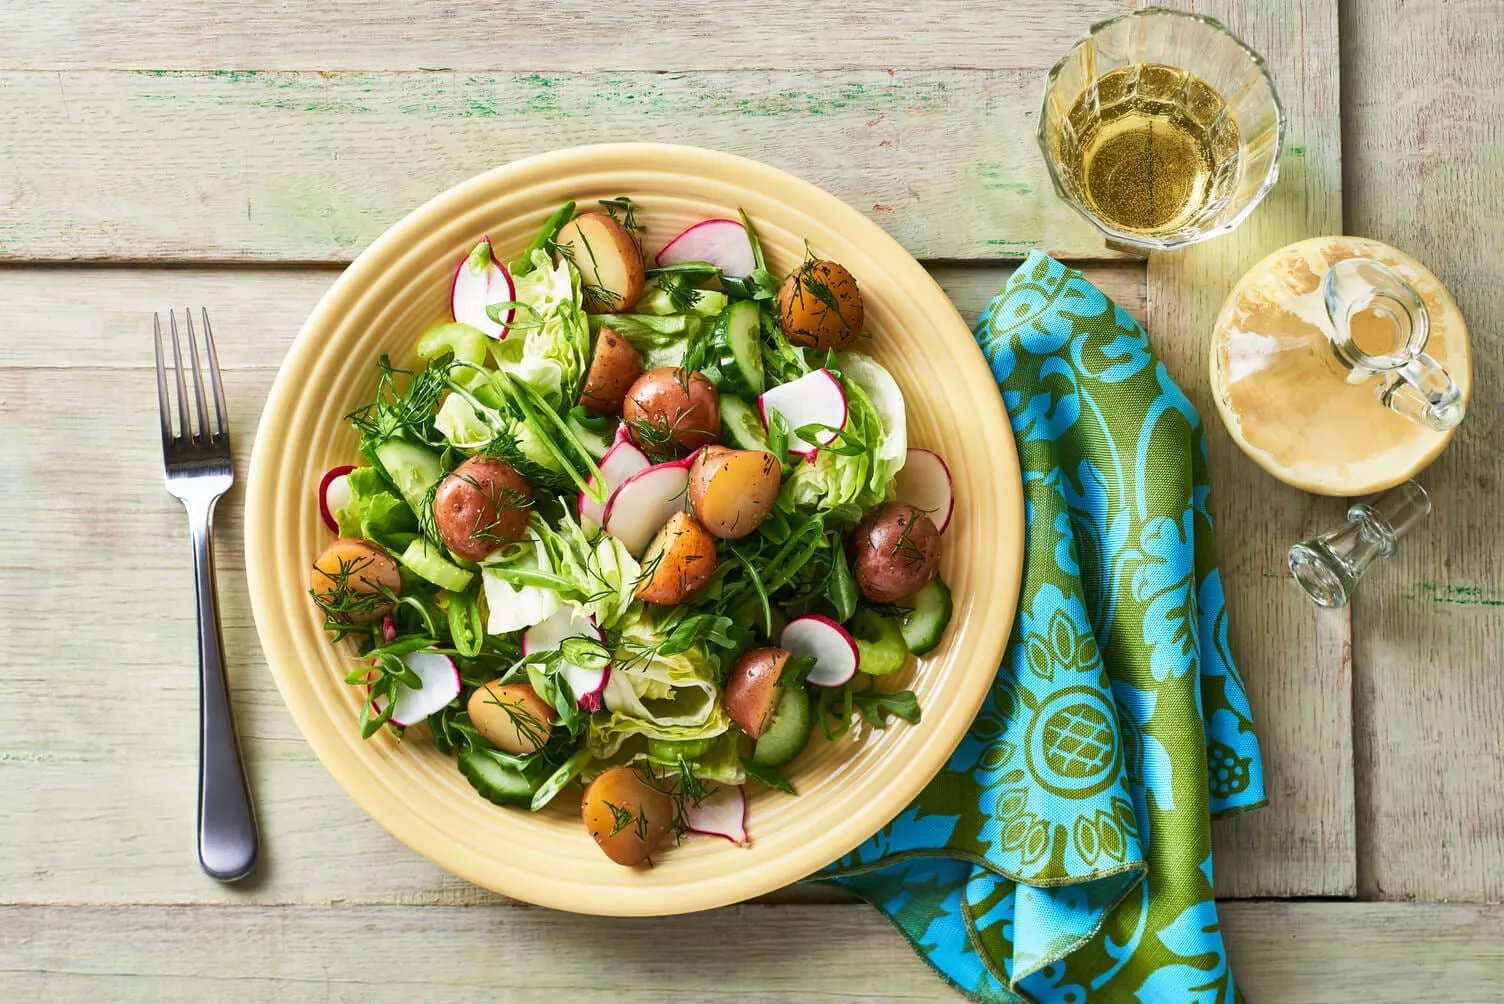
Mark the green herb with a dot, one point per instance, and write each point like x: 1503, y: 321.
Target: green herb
x: 778, y: 435
x: 403, y: 414
x: 384, y: 691
x: 681, y: 295
x: 350, y: 596
x: 761, y: 284
x: 877, y: 708
x: 767, y: 776
x: 842, y: 442
x: 624, y: 211
x: 544, y: 240
x: 796, y: 671
x: 467, y: 629
x: 621, y: 817
x: 839, y: 583
x: 495, y: 311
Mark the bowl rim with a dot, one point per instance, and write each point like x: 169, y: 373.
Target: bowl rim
x: 977, y: 667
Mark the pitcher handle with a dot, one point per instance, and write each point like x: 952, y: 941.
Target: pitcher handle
x: 1423, y: 391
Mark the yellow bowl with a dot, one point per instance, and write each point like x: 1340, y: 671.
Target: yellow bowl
x: 847, y: 789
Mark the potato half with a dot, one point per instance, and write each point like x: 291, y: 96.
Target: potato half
x: 732, y: 491
x: 346, y: 578
x: 627, y: 816
x: 680, y: 559
x: 611, y: 270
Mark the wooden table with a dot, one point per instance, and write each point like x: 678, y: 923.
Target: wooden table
x: 298, y: 131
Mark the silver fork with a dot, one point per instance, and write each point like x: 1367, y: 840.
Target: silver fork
x: 198, y: 473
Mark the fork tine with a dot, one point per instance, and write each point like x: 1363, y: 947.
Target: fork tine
x: 204, y: 432
x: 156, y: 324
x: 219, y: 390
x: 185, y: 429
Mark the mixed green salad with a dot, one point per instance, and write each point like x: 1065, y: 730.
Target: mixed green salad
x: 643, y: 529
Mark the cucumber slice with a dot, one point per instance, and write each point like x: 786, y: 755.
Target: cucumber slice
x: 880, y: 642
x: 423, y: 559
x: 925, y: 624
x: 787, y: 733
x: 495, y: 780
x: 740, y: 424
x: 413, y: 469
x: 736, y: 348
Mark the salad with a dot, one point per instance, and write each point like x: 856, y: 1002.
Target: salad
x: 647, y: 530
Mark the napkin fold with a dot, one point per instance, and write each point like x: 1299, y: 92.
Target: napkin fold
x: 1064, y: 852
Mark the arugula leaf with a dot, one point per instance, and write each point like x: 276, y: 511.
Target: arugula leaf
x: 839, y: 583
x: 768, y: 776
x: 876, y: 708
x: 843, y: 443
x: 796, y: 671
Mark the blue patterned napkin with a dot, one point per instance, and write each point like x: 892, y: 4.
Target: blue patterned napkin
x: 1064, y: 853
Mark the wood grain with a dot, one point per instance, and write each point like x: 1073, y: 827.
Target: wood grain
x: 235, y: 166
x: 1293, y: 953
x: 102, y: 580
x: 1296, y: 662
x: 565, y: 35
x: 1426, y: 102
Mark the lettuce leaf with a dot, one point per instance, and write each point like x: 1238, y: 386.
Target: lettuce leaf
x: 874, y: 416
x: 661, y: 340
x: 551, y: 357
x: 376, y: 512
x: 603, y: 574
x: 515, y: 607
x: 721, y: 762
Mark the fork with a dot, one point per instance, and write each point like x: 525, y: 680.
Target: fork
x: 198, y: 473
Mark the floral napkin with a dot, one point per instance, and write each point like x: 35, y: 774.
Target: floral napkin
x: 1064, y: 853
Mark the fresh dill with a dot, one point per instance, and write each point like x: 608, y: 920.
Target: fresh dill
x: 406, y: 414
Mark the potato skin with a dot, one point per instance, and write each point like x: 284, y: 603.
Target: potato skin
x: 511, y: 716
x: 672, y: 411
x: 732, y: 491
x: 610, y: 263
x: 894, y: 553
x: 807, y: 316
x: 627, y: 817
x: 752, y: 691
x: 347, y: 574
x: 481, y: 505
x: 680, y: 559
x: 613, y: 369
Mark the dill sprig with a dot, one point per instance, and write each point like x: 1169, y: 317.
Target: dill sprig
x: 405, y: 414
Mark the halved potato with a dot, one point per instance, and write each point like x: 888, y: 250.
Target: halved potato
x: 512, y: 716
x: 732, y: 491
x: 752, y: 692
x: 610, y: 264
x: 614, y: 367
x: 627, y: 816
x: 820, y: 306
x: 894, y: 553
x: 680, y: 559
x: 346, y: 578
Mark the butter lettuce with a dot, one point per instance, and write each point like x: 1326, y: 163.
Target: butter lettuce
x: 875, y: 417
x: 602, y: 575
x: 376, y: 512
x: 552, y: 354
x: 512, y: 606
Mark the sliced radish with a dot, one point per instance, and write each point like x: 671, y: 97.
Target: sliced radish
x: 644, y: 501
x: 587, y: 685
x: 441, y: 684
x: 722, y: 813
x: 833, y: 648
x: 388, y: 630
x: 480, y: 281
x: 924, y: 483
x: 334, y: 494
x: 814, y: 399
x: 722, y: 243
x: 622, y: 435
x: 620, y: 462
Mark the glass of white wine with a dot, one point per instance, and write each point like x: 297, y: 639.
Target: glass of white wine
x: 1162, y: 128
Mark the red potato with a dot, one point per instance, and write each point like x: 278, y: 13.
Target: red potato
x: 511, y: 716
x: 626, y: 816
x: 610, y: 264
x: 752, y: 692
x: 732, y: 491
x: 820, y: 306
x: 680, y: 559
x: 894, y: 553
x: 480, y: 506
x: 672, y: 411
x: 613, y: 369
x: 346, y: 578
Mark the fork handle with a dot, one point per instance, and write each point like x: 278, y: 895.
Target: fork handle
x: 227, y: 841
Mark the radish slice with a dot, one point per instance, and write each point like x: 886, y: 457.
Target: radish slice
x: 388, y: 630
x: 334, y: 494
x: 620, y: 462
x: 814, y: 399
x: 479, y: 282
x: 441, y: 684
x: 587, y: 685
x: 722, y: 813
x: 644, y: 501
x: 834, y: 650
x: 924, y: 483
x: 622, y: 435
x: 722, y: 243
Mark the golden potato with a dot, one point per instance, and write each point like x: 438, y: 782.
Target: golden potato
x: 481, y: 505
x: 820, y: 306
x: 627, y: 816
x: 511, y: 716
x: 894, y: 553
x: 346, y: 577
x: 672, y: 411
x: 613, y: 369
x: 611, y: 271
x: 752, y: 691
x: 732, y: 491
x: 680, y: 559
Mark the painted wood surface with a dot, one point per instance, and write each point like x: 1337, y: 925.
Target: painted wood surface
x: 1289, y: 953
x: 274, y: 166
x: 1425, y: 90
x: 1296, y: 662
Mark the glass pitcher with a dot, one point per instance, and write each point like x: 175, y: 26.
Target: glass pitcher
x: 1341, y: 365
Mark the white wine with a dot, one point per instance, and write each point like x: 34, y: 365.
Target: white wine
x: 1151, y: 148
